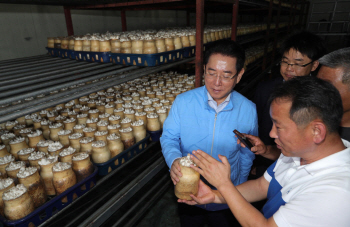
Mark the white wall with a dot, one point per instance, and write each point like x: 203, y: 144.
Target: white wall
x: 24, y: 28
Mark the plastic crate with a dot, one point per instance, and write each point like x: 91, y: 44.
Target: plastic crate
x: 53, y: 52
x: 71, y: 54
x: 189, y: 51
x: 103, y: 57
x: 147, y: 59
x: 155, y: 135
x: 67, y: 54
x: 124, y: 156
x: 53, y: 206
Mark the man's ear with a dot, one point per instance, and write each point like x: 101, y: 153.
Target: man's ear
x: 315, y: 65
x: 319, y: 131
x: 240, y: 74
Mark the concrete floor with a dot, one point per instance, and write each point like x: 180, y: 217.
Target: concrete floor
x: 163, y: 213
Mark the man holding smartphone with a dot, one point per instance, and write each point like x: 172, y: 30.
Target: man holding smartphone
x: 300, y: 53
x: 204, y: 118
x: 309, y: 183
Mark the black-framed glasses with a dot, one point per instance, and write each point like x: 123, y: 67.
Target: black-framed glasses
x: 226, y: 77
x: 295, y: 66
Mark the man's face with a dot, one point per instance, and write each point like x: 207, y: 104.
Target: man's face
x: 295, y: 57
x: 335, y: 76
x: 218, y: 87
x: 292, y: 140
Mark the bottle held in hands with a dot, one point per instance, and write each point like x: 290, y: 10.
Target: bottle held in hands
x: 189, y: 181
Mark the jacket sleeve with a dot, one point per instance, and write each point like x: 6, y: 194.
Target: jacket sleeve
x: 170, y: 140
x: 246, y: 156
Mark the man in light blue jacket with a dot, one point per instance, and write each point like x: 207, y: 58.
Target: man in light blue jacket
x: 204, y: 118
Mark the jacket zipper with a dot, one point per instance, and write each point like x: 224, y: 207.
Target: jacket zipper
x: 212, y: 142
x: 212, y: 145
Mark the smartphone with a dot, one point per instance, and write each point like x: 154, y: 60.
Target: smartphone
x: 243, y: 139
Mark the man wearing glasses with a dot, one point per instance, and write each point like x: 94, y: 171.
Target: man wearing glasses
x: 300, y: 54
x: 204, y: 118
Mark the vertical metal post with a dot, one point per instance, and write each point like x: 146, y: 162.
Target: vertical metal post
x: 234, y: 20
x: 306, y: 14
x: 294, y: 7
x: 333, y: 13
x: 188, y: 20
x: 123, y: 17
x: 69, y: 22
x: 267, y: 36
x: 301, y: 14
x: 276, y: 31
x: 290, y: 18
x: 199, y: 41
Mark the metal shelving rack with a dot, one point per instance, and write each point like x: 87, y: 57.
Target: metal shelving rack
x: 15, y: 87
x: 197, y: 6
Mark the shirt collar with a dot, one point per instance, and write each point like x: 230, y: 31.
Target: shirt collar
x: 337, y: 159
x: 211, y: 98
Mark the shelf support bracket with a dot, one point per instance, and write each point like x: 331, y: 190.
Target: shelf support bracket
x: 69, y: 22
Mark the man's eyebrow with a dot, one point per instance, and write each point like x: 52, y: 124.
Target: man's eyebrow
x: 274, y: 120
x: 298, y: 59
x: 211, y: 69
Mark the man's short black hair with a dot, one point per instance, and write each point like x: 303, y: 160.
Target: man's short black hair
x: 312, y: 98
x: 226, y: 48
x: 306, y: 43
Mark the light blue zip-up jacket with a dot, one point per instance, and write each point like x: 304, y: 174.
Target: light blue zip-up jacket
x: 192, y: 124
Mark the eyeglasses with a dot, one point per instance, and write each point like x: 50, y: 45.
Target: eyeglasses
x: 295, y: 66
x: 226, y: 77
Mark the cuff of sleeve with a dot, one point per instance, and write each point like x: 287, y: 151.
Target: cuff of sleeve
x: 267, y: 176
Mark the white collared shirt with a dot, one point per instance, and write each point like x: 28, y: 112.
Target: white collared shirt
x: 316, y: 194
x: 213, y: 104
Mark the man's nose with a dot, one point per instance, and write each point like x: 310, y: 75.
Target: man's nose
x: 273, y: 133
x: 218, y: 80
x: 290, y: 68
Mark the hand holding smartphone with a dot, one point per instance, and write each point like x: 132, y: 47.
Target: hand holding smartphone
x: 243, y: 139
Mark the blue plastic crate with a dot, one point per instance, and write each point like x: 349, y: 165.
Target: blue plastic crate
x: 124, y: 156
x: 53, y: 52
x: 71, y: 54
x: 53, y: 206
x: 67, y: 54
x: 147, y: 59
x: 189, y: 51
x: 89, y: 56
x: 155, y: 135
